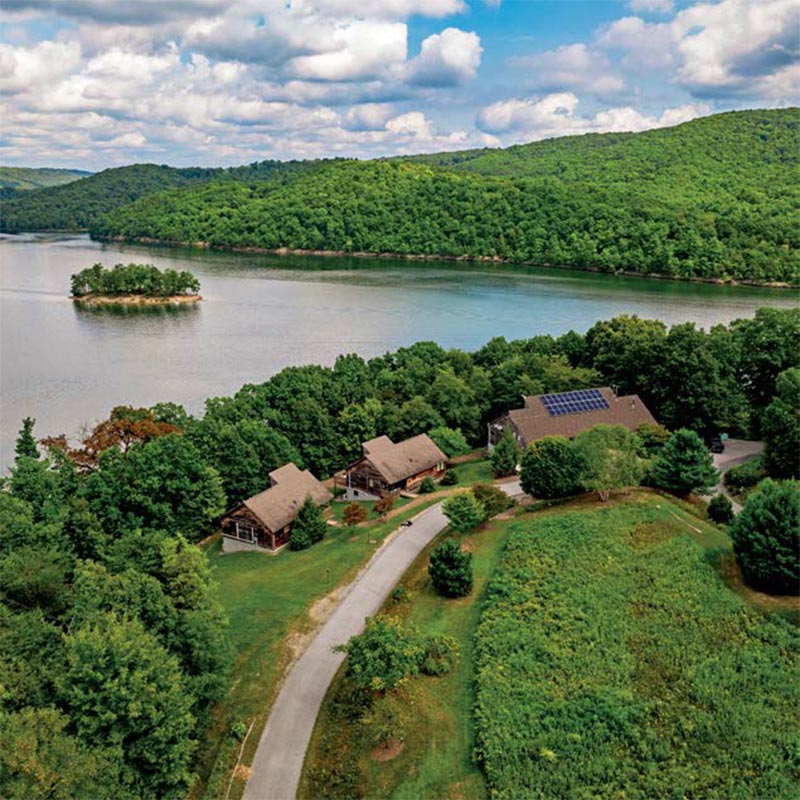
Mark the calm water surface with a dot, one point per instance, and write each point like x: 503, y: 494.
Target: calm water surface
x: 67, y: 366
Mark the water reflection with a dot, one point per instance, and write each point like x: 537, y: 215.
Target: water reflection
x: 134, y: 310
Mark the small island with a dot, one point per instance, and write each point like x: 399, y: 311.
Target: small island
x: 134, y: 284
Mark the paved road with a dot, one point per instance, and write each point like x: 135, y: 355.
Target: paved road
x: 736, y: 452
x: 281, y: 751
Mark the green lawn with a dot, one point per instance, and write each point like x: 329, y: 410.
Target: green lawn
x: 338, y: 507
x: 473, y: 472
x: 267, y: 600
x: 436, y: 761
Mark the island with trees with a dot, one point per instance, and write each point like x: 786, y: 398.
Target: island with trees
x: 134, y: 284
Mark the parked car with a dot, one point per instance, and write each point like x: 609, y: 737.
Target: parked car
x: 716, y: 445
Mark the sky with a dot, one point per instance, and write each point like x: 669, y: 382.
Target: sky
x: 91, y: 84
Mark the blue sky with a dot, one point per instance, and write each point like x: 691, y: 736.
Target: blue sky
x: 97, y: 83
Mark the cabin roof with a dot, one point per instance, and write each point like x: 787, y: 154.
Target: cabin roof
x: 277, y: 506
x: 534, y: 421
x: 396, y: 462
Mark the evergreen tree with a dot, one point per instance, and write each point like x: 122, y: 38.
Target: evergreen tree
x: 309, y: 522
x: 685, y: 465
x: 720, y: 509
x: 766, y: 538
x: 26, y: 446
x: 450, y: 569
x: 505, y: 455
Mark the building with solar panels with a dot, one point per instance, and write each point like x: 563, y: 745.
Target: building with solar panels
x: 569, y: 413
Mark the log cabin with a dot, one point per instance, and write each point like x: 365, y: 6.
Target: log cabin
x: 569, y: 413
x: 387, y: 468
x: 264, y: 521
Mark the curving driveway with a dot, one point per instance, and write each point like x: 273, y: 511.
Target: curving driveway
x: 737, y: 451
x: 281, y: 751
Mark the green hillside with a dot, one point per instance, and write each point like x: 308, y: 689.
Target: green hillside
x: 25, y: 178
x: 78, y: 205
x: 714, y: 199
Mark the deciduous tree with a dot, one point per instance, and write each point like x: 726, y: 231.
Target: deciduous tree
x: 463, y: 511
x: 551, y: 467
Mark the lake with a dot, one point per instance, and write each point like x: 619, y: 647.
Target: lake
x: 67, y: 367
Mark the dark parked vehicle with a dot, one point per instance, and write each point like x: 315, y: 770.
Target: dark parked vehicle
x: 716, y: 445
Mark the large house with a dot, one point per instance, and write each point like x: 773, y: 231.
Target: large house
x: 264, y: 521
x: 569, y: 413
x: 387, y: 468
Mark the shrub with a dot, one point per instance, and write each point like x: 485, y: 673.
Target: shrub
x: 766, y: 538
x: 384, y: 655
x: 463, y: 511
x: 551, y: 467
x: 745, y: 476
x: 427, y: 486
x: 384, y: 506
x: 450, y: 478
x: 720, y: 509
x: 399, y: 593
x: 450, y: 441
x: 450, y: 569
x: 354, y: 514
x: 685, y: 465
x: 494, y: 500
x: 441, y: 655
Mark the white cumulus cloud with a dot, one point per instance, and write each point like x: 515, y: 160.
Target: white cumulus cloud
x: 449, y: 58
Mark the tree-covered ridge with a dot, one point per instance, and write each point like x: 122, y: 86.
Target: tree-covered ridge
x: 133, y: 279
x: 77, y: 205
x: 711, y: 199
x: 26, y: 178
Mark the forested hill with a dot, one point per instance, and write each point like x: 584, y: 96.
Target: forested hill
x: 78, y: 205
x: 714, y: 198
x: 25, y: 178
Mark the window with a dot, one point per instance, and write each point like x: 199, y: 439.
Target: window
x: 245, y: 531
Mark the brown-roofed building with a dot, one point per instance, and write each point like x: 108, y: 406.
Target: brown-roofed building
x: 387, y: 468
x: 264, y: 521
x: 569, y: 413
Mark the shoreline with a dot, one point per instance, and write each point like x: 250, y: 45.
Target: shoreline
x: 494, y: 260
x: 136, y: 300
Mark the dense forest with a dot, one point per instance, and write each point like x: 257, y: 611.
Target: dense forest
x: 133, y: 279
x: 112, y: 649
x: 26, y: 178
x: 79, y: 204
x: 714, y: 199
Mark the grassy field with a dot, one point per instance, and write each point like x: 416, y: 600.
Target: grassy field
x: 271, y: 602
x: 662, y: 557
x: 338, y: 507
x: 613, y: 661
x: 435, y: 713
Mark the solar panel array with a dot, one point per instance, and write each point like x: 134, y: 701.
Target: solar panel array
x: 573, y: 402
